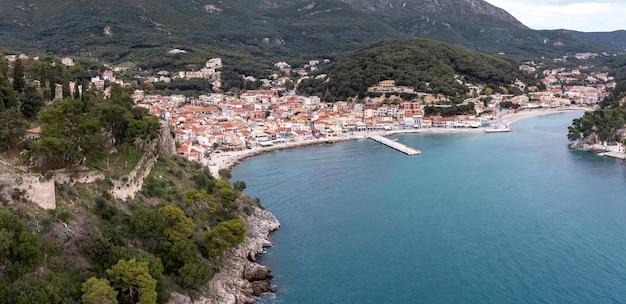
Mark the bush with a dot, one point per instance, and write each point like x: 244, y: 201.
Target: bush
x: 224, y: 174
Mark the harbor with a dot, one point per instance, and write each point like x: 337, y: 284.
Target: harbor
x: 395, y: 145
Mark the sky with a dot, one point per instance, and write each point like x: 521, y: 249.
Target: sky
x: 578, y: 15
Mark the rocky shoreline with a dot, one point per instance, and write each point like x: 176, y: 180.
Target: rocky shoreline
x: 241, y: 278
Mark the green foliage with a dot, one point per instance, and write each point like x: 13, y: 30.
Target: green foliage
x: 236, y: 32
x: 73, y: 129
x: 155, y: 266
x: 29, y: 290
x: 168, y: 242
x: 8, y: 97
x: 602, y: 125
x: 176, y: 225
x: 31, y: 102
x: 201, y: 206
x: 224, y: 235
x: 19, y: 83
x: 455, y: 109
x: 133, y: 281
x: 20, y: 248
x: 426, y: 65
x: 204, y: 180
x: 145, y: 221
x: 225, y: 190
x: 193, y: 196
x: 224, y: 174
x: 12, y: 128
x: 239, y: 185
x: 176, y: 254
x: 67, y: 134
x: 194, y: 274
x: 617, y: 96
x: 98, y: 291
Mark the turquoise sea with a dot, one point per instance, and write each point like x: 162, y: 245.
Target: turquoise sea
x: 476, y: 218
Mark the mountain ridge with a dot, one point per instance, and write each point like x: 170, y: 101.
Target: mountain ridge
x: 257, y: 33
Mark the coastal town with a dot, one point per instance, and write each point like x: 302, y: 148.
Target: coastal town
x: 275, y: 117
x: 209, y: 126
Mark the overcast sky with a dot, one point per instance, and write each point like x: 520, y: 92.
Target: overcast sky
x: 579, y: 15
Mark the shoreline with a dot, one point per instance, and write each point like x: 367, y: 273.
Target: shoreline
x: 228, y: 160
x: 509, y: 117
x: 229, y: 286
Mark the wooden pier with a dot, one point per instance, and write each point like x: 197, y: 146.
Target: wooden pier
x: 395, y: 145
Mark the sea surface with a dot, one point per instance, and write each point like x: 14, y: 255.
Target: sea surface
x: 476, y: 218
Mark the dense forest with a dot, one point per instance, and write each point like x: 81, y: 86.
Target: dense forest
x: 93, y: 248
x: 427, y: 66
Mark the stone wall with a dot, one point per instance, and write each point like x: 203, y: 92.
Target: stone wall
x: 34, y: 188
x: 76, y: 177
x: 41, y: 190
x: 126, y: 187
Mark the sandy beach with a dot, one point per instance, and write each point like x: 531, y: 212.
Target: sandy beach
x: 509, y: 116
x: 227, y: 160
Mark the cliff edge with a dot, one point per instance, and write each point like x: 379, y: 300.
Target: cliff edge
x: 241, y: 278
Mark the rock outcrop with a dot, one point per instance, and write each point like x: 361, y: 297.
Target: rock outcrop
x: 166, y: 141
x: 241, y: 278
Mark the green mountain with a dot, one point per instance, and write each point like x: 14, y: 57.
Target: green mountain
x: 425, y: 65
x: 251, y: 34
x: 615, y: 39
x: 144, y: 30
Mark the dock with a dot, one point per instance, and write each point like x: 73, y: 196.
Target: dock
x: 395, y: 145
x: 614, y: 154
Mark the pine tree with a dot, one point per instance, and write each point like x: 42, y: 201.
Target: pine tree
x: 98, y: 291
x: 133, y: 279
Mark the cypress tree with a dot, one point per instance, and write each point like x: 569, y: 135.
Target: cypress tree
x: 18, y: 76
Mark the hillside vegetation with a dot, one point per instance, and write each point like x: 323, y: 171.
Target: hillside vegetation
x: 252, y: 35
x: 97, y: 249
x: 426, y: 65
x: 609, y: 122
x: 93, y: 248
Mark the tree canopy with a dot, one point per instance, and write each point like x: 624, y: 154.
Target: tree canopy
x: 425, y: 65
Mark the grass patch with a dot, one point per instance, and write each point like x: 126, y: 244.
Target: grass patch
x: 117, y: 164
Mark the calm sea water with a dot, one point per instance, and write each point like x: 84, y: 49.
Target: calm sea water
x: 477, y: 218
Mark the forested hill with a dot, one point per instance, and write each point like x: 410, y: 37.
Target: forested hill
x: 426, y: 65
x: 615, y: 39
x: 252, y: 34
x: 618, y: 95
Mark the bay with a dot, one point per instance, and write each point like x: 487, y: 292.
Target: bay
x: 492, y: 218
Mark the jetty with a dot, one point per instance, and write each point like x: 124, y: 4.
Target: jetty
x: 395, y: 145
x: 497, y: 130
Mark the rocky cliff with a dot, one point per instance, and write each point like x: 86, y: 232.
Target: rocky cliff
x: 241, y: 278
x: 451, y: 8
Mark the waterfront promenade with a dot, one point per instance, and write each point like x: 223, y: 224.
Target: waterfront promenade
x: 227, y: 160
